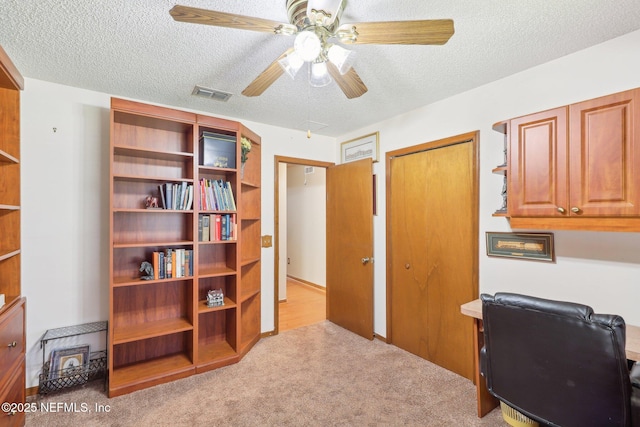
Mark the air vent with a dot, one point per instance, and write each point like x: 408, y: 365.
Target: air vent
x: 308, y: 170
x: 205, y: 92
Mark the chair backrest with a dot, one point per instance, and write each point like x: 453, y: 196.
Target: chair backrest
x: 556, y: 362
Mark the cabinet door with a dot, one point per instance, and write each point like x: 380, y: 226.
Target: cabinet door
x: 605, y: 156
x: 537, y: 178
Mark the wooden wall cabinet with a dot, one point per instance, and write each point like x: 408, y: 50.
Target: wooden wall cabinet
x: 575, y: 167
x: 12, y: 313
x: 162, y: 329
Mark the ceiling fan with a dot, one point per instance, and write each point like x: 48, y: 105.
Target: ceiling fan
x: 316, y: 24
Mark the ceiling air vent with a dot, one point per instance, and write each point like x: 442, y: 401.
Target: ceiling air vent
x: 205, y: 92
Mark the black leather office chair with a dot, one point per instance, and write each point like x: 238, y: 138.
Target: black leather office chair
x: 558, y: 363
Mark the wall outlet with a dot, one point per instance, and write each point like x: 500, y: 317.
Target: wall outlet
x: 266, y: 241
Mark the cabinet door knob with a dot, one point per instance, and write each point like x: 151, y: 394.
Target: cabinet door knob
x: 561, y: 210
x: 575, y: 209
x: 12, y: 344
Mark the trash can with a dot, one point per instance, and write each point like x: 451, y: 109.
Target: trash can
x: 515, y: 418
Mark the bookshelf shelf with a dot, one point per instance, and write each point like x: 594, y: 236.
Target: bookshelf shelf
x: 203, y: 308
x: 150, y: 330
x: 162, y: 329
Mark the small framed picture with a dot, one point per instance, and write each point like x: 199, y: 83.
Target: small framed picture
x: 531, y: 246
x: 360, y: 148
x: 68, y: 361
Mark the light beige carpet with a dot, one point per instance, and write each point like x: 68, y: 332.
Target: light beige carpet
x: 318, y: 375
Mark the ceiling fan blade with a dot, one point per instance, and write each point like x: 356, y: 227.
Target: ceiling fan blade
x: 434, y: 31
x: 266, y: 78
x: 350, y: 83
x: 230, y: 20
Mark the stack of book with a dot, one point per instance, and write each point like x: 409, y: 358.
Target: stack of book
x: 176, y: 196
x: 217, y: 227
x: 172, y: 263
x: 216, y: 195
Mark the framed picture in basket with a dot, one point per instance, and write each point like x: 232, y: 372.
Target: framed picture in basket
x: 70, y: 361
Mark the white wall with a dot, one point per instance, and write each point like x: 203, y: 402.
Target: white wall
x: 596, y: 268
x: 306, y: 224
x: 65, y: 193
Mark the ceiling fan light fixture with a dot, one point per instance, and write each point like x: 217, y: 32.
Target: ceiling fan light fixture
x: 319, y: 75
x: 324, y: 12
x: 342, y: 58
x: 291, y: 64
x: 307, y: 45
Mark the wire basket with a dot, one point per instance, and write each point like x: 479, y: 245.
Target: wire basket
x: 74, y: 376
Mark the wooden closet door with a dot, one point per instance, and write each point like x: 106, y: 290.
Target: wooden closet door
x: 434, y: 238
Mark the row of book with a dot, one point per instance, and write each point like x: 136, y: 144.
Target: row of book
x: 217, y: 227
x: 172, y: 263
x: 176, y: 196
x: 216, y: 195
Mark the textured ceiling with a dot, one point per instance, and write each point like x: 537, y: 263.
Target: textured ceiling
x: 133, y: 48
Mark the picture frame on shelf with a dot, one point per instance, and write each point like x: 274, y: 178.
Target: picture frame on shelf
x: 530, y: 246
x: 68, y: 361
x: 367, y: 146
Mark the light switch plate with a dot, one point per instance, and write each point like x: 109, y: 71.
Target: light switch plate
x: 266, y: 242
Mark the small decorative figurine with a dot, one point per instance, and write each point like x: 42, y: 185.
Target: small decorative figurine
x: 151, y: 202
x: 215, y: 298
x: 147, y: 268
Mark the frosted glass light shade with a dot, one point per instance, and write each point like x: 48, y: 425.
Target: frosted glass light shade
x: 307, y: 45
x: 291, y: 64
x: 319, y: 76
x: 342, y: 58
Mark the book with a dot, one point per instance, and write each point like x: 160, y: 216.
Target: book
x: 215, y: 233
x: 230, y: 195
x: 168, y: 257
x: 161, y: 265
x: 206, y: 233
x: 156, y: 265
x: 168, y: 190
x: 162, y: 199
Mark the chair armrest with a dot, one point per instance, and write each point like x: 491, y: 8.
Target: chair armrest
x: 635, y: 395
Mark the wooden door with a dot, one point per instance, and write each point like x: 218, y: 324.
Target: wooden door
x: 350, y: 246
x: 605, y: 154
x: 537, y: 178
x: 433, y: 251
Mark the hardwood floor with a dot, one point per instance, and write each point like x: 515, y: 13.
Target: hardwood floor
x: 305, y: 305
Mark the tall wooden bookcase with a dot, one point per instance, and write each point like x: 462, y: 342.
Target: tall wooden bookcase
x: 162, y: 329
x: 12, y: 313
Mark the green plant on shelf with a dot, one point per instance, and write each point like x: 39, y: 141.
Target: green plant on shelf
x: 246, y: 148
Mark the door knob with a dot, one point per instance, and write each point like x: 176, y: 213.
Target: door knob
x: 12, y: 344
x: 561, y: 210
x: 366, y: 260
x: 575, y: 209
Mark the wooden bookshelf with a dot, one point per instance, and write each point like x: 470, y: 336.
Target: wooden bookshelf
x: 162, y: 329
x: 12, y: 313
